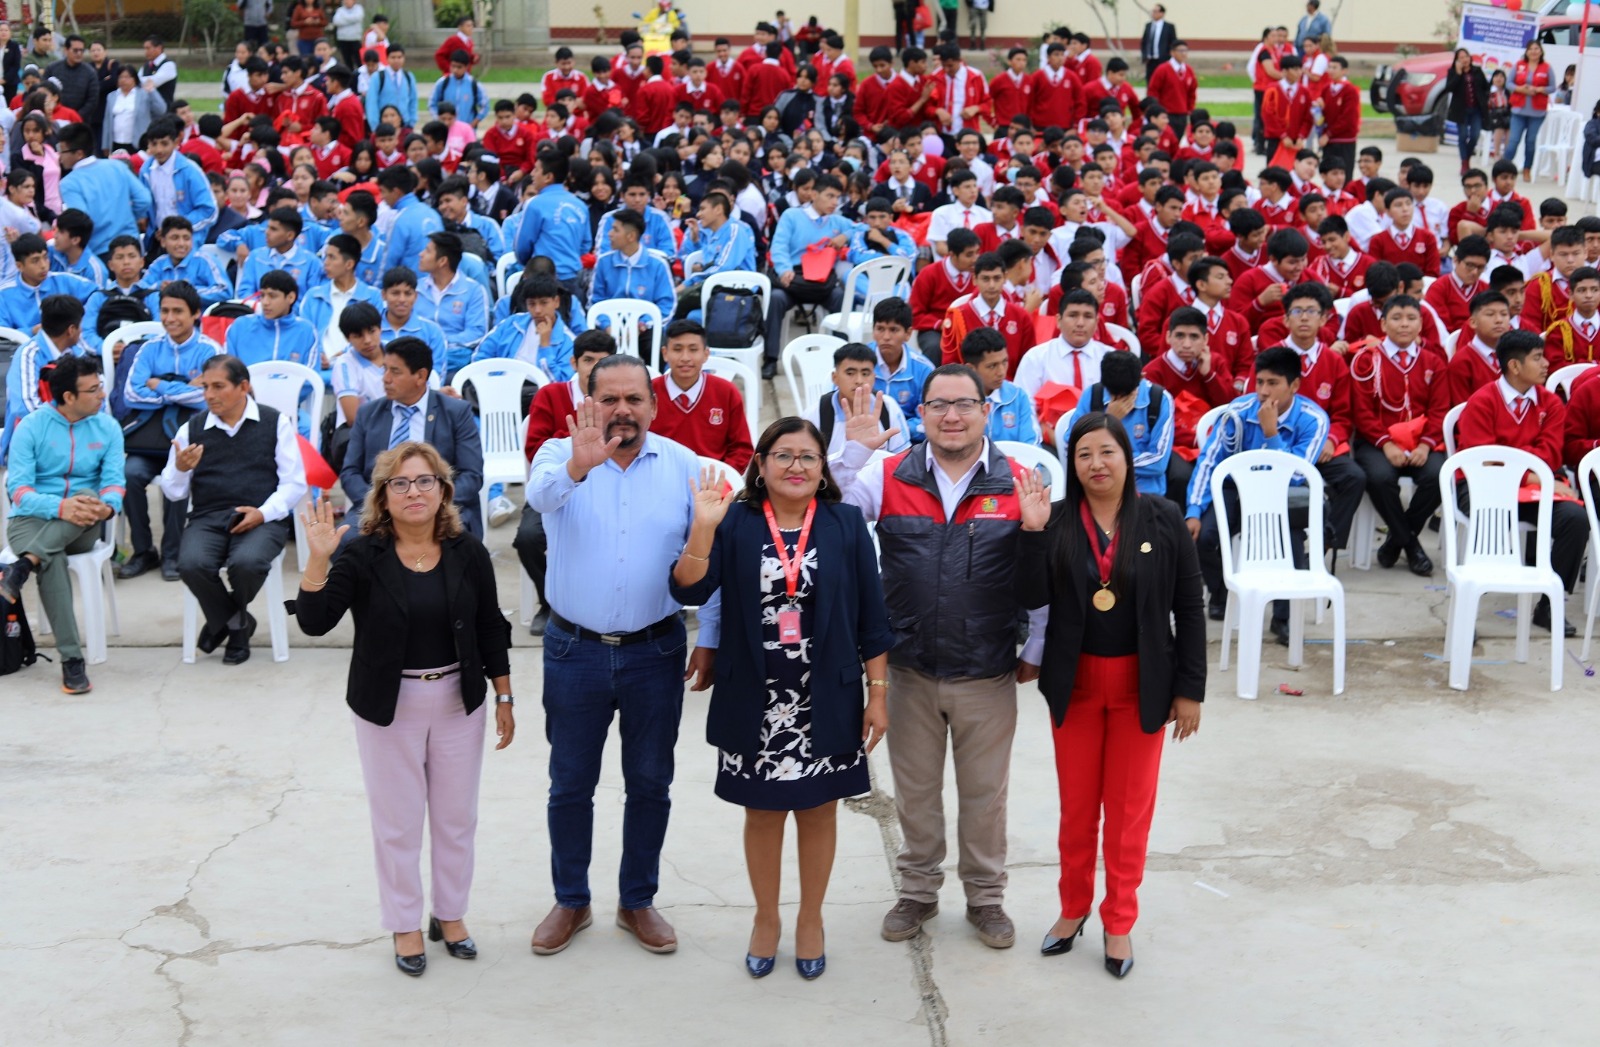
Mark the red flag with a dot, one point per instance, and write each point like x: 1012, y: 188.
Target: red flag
x: 318, y: 472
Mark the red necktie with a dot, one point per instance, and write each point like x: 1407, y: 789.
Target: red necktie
x: 1404, y: 360
x: 1519, y: 407
x: 966, y: 219
x: 683, y: 401
x: 1077, y: 368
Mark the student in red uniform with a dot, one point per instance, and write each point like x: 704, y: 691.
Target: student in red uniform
x: 603, y: 93
x: 1451, y: 295
x: 1474, y: 364
x: 1575, y: 338
x: 1504, y: 176
x: 872, y: 94
x: 703, y: 412
x: 1312, y: 208
x: 723, y: 72
x: 1341, y: 267
x: 1057, y: 99
x: 1325, y: 380
x: 1258, y: 295
x: 910, y: 95
x: 1286, y: 109
x: 1012, y: 89
x: 1227, y: 333
x: 1341, y: 113
x: 1518, y: 411
x: 563, y: 75
x: 1151, y: 231
x: 937, y: 287
x: 1334, y: 179
x: 1394, y: 383
x: 509, y: 140
x: 987, y: 307
x: 1549, y: 297
x: 1407, y: 238
x: 1188, y: 366
x: 1113, y: 86
x: 1364, y: 320
x: 764, y: 81
x: 1174, y: 85
x: 1277, y: 203
x: 700, y: 93
x: 1159, y: 296
x: 1250, y: 232
x: 1006, y: 205
x: 1583, y: 421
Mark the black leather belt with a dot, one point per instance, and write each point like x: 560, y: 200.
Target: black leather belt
x: 649, y: 632
x: 441, y: 674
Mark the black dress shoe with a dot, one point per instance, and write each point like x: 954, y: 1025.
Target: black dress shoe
x: 1418, y: 561
x: 1217, y: 610
x: 1118, y: 968
x: 137, y: 564
x: 540, y: 622
x: 769, y: 369
x: 1280, y: 633
x: 465, y: 949
x: 1388, y: 554
x: 210, y: 639
x: 170, y: 572
x: 1053, y: 946
x: 1541, y: 618
x: 238, y: 651
x: 412, y: 965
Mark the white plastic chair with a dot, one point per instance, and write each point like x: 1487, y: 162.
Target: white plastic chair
x: 277, y: 617
x: 624, y: 316
x: 1588, y: 477
x: 281, y: 385
x: 1489, y: 559
x: 1035, y: 457
x: 752, y: 354
x: 1560, y: 381
x: 14, y: 336
x: 1452, y: 418
x: 96, y: 585
x: 884, y: 276
x: 227, y: 264
x: 1207, y: 422
x: 500, y: 420
x: 1555, y: 149
x: 749, y: 383
x: 808, y: 365
x: 1126, y: 338
x: 1262, y: 569
x: 1450, y: 344
x: 733, y: 477
x: 1135, y: 289
x: 504, y: 267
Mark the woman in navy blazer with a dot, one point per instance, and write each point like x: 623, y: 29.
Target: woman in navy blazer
x: 802, y: 614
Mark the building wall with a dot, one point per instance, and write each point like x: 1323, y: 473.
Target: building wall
x: 1367, y: 25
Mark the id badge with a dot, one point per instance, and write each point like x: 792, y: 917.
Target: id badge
x: 789, y: 625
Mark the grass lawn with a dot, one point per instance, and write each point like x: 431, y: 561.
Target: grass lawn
x: 1234, y: 110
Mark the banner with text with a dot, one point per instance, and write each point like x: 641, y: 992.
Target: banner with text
x: 1496, y: 36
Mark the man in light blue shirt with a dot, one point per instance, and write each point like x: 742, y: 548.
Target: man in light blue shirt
x: 106, y: 189
x: 458, y: 305
x: 617, y: 503
x: 555, y: 223
x: 413, y: 222
x: 1313, y: 26
x: 798, y: 229
x: 461, y: 89
x: 392, y: 86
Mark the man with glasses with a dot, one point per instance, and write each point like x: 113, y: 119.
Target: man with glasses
x: 70, y: 446
x: 946, y: 510
x: 79, y: 83
x: 239, y: 468
x: 410, y: 410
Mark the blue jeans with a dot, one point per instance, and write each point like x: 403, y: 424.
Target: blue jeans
x: 1520, y: 126
x: 585, y: 682
x: 1467, y: 131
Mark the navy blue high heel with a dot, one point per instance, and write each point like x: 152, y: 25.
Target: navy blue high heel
x: 759, y: 966
x: 811, y: 970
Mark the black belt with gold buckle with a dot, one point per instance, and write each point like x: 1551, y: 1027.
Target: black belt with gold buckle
x: 649, y: 632
x: 441, y: 674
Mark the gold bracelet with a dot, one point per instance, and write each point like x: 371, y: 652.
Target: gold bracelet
x: 692, y: 556
x: 304, y: 584
x: 877, y: 683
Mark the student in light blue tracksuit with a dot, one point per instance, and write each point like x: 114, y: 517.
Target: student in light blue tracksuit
x: 1148, y: 422
x: 281, y: 252
x: 275, y: 332
x: 414, y: 221
x: 461, y: 89
x: 878, y: 237
x: 631, y: 271
x: 555, y: 223
x: 176, y: 184
x: 537, y: 336
x: 106, y: 189
x: 401, y: 319
x: 459, y: 305
x: 19, y: 302
x: 73, y: 232
x: 1011, y: 414
x: 60, y: 332
x: 183, y: 262
x: 392, y: 86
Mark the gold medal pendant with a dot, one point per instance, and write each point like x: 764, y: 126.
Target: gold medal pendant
x: 1104, y: 600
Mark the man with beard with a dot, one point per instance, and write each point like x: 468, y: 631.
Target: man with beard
x: 617, y: 501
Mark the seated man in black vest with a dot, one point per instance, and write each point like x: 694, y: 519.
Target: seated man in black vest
x: 239, y: 466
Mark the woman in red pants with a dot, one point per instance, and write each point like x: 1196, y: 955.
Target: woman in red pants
x: 1125, y: 654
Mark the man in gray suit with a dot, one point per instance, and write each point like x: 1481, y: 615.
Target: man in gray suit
x: 411, y: 411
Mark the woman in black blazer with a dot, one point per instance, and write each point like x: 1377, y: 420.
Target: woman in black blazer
x: 802, y: 612
x: 1124, y: 655
x: 1469, y: 103
x: 428, y: 632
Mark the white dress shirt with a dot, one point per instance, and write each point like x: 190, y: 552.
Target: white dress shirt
x: 286, y: 455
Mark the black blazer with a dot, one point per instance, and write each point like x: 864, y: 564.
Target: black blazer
x: 921, y: 196
x: 452, y: 430
x: 367, y: 580
x: 1166, y: 583
x: 850, y: 625
x: 1455, y: 83
x: 1163, y: 44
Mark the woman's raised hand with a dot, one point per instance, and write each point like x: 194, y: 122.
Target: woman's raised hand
x: 1034, y: 499
x: 322, y: 537
x: 710, y: 500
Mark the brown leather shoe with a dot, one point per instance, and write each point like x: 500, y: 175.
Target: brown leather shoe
x: 556, y: 931
x: 994, y: 926
x: 654, y: 933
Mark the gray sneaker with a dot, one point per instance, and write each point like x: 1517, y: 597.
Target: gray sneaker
x: 907, y: 918
x: 994, y: 926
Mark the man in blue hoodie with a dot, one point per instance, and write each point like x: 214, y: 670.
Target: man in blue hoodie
x: 275, y: 332
x: 65, y: 481
x: 106, y: 189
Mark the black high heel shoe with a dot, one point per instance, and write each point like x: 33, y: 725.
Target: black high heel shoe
x: 1117, y: 968
x: 1053, y: 946
x: 412, y: 965
x: 465, y: 949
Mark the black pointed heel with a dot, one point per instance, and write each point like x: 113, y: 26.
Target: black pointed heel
x: 1053, y: 946
x: 412, y: 965
x: 1115, y: 967
x: 465, y: 949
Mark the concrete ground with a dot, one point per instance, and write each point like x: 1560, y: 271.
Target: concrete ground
x: 185, y: 859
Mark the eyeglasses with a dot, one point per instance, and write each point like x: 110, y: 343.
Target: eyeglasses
x: 1304, y: 314
x: 964, y: 406
x: 783, y: 459
x: 403, y: 484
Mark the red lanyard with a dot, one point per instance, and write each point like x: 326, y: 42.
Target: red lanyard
x: 791, y: 568
x: 1102, y: 558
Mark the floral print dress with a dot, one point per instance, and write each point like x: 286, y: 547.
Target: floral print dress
x: 784, y: 774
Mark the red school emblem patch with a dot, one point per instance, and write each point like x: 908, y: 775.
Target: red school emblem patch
x: 716, y: 416
x: 1325, y: 391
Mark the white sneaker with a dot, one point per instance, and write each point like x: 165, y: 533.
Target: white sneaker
x: 501, y: 510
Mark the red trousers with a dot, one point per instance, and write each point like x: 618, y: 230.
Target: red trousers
x: 1105, y: 760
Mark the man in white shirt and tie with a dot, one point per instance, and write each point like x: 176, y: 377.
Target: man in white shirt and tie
x: 964, y: 212
x: 1072, y: 358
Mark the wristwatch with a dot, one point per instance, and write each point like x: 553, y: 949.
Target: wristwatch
x: 504, y: 699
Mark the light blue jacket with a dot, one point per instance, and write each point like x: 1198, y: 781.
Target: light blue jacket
x: 471, y: 102
x: 316, y: 308
x: 558, y: 223
x: 207, y: 278
x: 1011, y: 416
x: 643, y: 276
x: 52, y: 458
x: 860, y: 251
x: 95, y: 300
x: 1302, y: 431
x: 89, y: 267
x: 387, y: 88
x: 192, y: 196
x: 506, y: 340
x: 409, y: 233
x: 730, y: 249
x: 657, y: 232
x: 462, y: 312
x: 19, y: 303
x: 797, y: 230
x: 255, y: 339
x: 305, y: 267
x: 160, y: 356
x: 427, y: 330
x: 904, y: 385
x: 370, y: 269
x: 1151, y: 447
x: 107, y: 190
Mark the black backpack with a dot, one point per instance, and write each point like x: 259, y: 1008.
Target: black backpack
x: 732, y: 317
x: 17, y: 650
x: 472, y: 241
x: 122, y: 308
